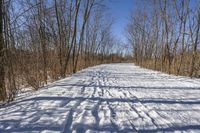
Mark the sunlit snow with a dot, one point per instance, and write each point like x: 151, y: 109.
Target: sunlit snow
x: 108, y: 98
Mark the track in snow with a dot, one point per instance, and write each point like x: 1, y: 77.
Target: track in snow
x: 108, y: 98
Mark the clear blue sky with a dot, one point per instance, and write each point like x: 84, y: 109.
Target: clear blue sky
x: 120, y: 10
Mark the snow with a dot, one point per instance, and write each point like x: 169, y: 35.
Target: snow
x: 108, y: 98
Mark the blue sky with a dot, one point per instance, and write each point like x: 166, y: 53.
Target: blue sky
x: 120, y: 10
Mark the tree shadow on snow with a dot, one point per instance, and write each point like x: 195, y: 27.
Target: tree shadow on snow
x: 81, y: 127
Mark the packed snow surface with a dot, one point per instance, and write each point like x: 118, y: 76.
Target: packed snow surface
x: 108, y: 98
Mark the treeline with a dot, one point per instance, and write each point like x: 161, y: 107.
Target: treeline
x: 165, y: 36
x: 44, y: 40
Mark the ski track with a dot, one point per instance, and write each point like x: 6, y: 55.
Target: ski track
x: 108, y: 98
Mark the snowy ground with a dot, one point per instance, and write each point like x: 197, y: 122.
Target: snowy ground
x: 108, y: 98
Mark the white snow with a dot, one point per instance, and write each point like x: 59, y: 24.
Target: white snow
x: 108, y: 98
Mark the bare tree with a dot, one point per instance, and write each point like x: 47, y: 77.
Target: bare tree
x: 88, y: 8
x: 161, y: 39
x: 42, y: 41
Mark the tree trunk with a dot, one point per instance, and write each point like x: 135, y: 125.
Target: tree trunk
x: 2, y: 72
x: 194, y: 45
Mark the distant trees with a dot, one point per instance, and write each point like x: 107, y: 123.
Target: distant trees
x: 165, y: 36
x: 44, y: 40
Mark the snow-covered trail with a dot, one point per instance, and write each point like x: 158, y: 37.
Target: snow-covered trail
x: 108, y: 98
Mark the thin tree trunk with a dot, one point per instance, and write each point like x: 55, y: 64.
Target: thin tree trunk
x: 86, y: 16
x: 194, y: 45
